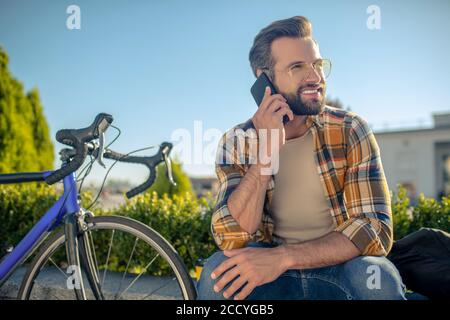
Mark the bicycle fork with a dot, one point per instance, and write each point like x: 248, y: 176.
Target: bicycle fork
x: 80, y: 256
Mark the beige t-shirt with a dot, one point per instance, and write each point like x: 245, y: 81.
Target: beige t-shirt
x: 299, y: 206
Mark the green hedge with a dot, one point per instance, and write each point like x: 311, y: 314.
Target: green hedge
x: 428, y: 212
x: 19, y: 208
x: 183, y: 220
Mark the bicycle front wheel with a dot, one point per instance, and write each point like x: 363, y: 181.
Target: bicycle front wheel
x: 131, y: 261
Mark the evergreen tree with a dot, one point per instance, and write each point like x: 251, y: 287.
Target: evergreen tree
x: 41, y: 132
x: 25, y: 144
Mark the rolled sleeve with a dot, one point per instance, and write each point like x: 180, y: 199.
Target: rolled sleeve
x: 366, y: 194
x: 225, y: 229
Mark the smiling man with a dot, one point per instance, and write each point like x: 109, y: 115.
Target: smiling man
x: 320, y: 226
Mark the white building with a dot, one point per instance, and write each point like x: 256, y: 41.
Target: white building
x: 418, y: 158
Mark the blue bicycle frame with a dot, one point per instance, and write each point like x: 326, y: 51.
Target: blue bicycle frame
x: 66, y: 204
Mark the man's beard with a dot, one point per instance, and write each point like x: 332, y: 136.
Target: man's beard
x: 309, y: 107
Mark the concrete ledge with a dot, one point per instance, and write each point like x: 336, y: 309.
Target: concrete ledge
x: 51, y: 285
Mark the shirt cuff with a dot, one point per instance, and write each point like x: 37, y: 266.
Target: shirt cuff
x: 363, y: 235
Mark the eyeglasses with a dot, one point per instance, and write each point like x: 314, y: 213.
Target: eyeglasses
x: 302, y: 70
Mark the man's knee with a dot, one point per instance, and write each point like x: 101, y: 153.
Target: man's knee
x: 206, y: 284
x: 373, y: 278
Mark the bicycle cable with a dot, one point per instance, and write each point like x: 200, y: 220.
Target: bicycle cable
x: 110, y: 168
x: 89, y: 165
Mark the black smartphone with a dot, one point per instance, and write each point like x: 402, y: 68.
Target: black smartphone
x: 259, y: 88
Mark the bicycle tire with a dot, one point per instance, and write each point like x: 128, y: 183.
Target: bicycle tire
x: 124, y: 224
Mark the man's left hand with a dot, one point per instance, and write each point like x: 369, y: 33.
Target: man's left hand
x: 249, y: 268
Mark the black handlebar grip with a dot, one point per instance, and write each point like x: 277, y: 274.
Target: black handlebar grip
x: 150, y: 162
x: 72, y: 166
x: 71, y: 136
x: 77, y: 138
x: 141, y: 188
x: 110, y: 154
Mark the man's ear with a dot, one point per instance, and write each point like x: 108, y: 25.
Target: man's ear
x: 258, y: 72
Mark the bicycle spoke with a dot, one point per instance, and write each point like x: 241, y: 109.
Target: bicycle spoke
x: 157, y: 289
x: 94, y: 253
x: 126, y: 269
x: 60, y: 270
x: 135, y: 279
x: 107, y: 258
x: 111, y: 238
x: 53, y: 262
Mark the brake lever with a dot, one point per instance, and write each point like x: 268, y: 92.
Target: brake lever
x: 101, y: 149
x: 168, y: 163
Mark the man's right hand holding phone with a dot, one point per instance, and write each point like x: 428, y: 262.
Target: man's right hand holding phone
x: 269, y: 116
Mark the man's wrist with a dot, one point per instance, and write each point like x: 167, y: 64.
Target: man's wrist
x: 286, y: 256
x: 261, y: 171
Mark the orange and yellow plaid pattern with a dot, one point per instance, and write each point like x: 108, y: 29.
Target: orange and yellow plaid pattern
x: 349, y: 164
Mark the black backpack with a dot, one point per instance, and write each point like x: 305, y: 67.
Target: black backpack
x: 423, y: 260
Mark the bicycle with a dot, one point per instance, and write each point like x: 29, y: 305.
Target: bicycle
x: 79, y: 241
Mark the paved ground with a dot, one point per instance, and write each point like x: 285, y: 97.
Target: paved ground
x: 52, y: 285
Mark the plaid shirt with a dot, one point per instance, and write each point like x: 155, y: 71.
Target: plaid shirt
x: 351, y: 172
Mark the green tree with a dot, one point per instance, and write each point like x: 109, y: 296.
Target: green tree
x: 25, y: 144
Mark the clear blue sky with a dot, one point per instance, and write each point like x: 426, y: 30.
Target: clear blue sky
x: 160, y: 65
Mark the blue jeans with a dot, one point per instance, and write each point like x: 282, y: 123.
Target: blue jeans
x: 352, y: 280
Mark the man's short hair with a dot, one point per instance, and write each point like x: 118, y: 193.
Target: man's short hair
x: 260, y: 55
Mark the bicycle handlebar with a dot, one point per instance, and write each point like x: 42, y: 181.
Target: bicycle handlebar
x: 150, y: 162
x: 82, y: 142
x: 77, y: 138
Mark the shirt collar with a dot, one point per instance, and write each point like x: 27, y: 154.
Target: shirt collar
x: 316, y: 119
